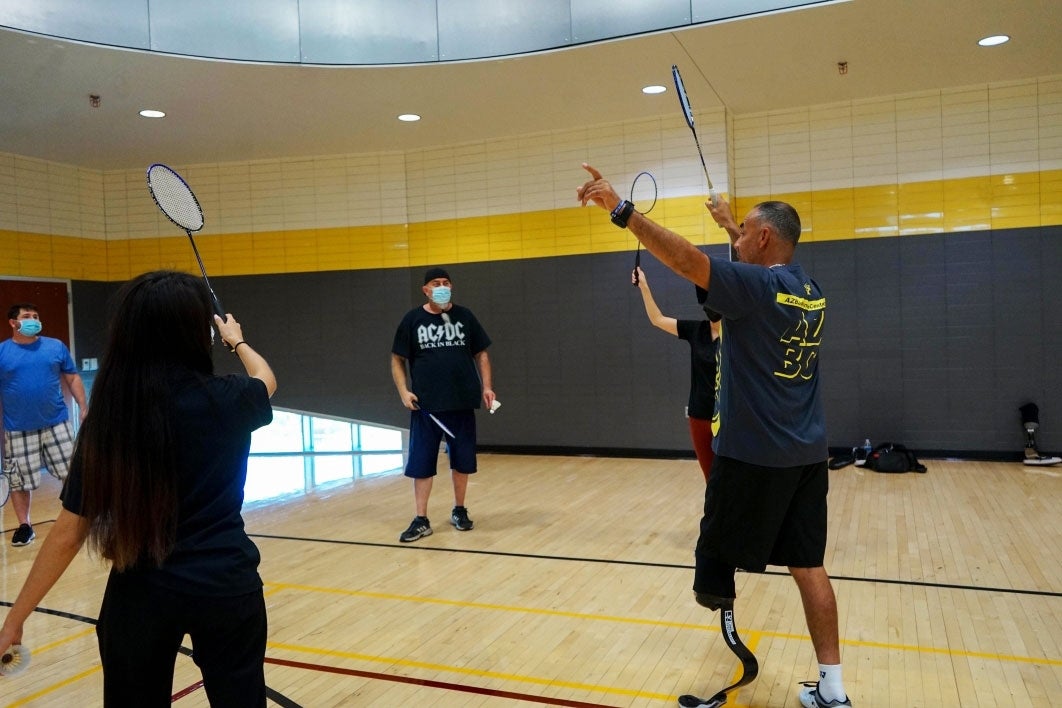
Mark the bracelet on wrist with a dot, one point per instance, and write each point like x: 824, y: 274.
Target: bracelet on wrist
x: 622, y: 213
x: 237, y: 345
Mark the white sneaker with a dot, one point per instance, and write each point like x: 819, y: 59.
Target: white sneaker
x: 809, y: 697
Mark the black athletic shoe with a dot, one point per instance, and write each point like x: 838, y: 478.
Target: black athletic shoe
x: 690, y: 701
x: 419, y: 528
x: 459, y: 518
x: 23, y: 536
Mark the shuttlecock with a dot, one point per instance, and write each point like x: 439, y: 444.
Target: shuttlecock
x: 15, y: 660
x: 495, y: 405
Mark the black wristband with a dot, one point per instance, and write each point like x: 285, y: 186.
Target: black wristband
x: 622, y: 213
x: 237, y: 345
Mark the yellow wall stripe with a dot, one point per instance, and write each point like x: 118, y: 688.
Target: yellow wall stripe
x: 939, y: 206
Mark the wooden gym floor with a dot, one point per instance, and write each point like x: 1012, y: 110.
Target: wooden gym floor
x: 574, y: 590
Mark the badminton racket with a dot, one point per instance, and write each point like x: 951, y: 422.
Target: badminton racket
x: 684, y: 101
x: 15, y: 660
x: 436, y: 421
x: 176, y: 200
x: 639, y: 198
x: 5, y: 489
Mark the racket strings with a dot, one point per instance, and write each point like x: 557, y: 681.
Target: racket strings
x: 175, y: 198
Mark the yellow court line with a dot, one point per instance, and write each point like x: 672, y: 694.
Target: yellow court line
x: 65, y: 682
x: 54, y: 687
x: 662, y: 623
x: 65, y: 640
x: 491, y: 606
x: 472, y: 672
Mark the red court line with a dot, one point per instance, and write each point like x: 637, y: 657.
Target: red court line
x: 436, y: 684
x: 184, y: 692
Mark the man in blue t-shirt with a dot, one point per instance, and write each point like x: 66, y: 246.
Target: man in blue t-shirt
x: 445, y: 349
x: 765, y: 502
x: 37, y: 430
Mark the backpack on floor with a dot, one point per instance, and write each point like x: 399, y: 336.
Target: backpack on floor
x: 893, y: 457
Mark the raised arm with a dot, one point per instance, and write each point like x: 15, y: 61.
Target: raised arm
x: 722, y: 215
x: 674, y: 251
x: 253, y: 363
x: 659, y: 319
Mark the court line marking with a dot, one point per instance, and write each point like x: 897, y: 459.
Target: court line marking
x: 375, y: 675
x: 889, y: 646
x: 479, y: 673
x: 648, y: 564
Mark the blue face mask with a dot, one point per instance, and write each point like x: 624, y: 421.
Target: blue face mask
x: 29, y: 328
x: 440, y: 295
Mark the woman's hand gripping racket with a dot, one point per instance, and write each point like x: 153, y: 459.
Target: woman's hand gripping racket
x: 684, y: 101
x: 640, y: 197
x: 14, y: 660
x: 176, y: 200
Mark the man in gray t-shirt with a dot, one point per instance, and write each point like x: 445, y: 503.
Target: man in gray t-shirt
x: 765, y: 503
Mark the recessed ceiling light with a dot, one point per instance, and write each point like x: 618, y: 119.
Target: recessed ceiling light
x: 993, y: 40
x: 655, y: 88
x: 409, y: 117
x: 152, y: 113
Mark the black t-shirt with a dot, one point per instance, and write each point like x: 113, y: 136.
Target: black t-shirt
x: 213, y: 555
x: 702, y: 367
x: 440, y: 355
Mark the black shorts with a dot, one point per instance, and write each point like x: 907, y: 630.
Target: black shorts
x: 758, y: 516
x: 426, y: 434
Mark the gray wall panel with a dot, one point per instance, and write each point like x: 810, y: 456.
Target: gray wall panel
x: 252, y: 30
x: 122, y: 23
x: 712, y: 10
x: 368, y: 31
x: 472, y: 29
x: 600, y: 19
x: 577, y: 364
x: 364, y: 32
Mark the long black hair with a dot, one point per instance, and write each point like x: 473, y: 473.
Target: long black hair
x: 126, y: 450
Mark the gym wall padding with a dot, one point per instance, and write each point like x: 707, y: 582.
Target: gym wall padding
x: 933, y: 341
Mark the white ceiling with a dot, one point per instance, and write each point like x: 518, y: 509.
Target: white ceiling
x: 223, y: 111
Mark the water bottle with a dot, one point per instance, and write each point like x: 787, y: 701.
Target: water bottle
x: 867, y: 449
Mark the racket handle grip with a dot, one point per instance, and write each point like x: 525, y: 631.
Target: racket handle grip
x: 713, y: 197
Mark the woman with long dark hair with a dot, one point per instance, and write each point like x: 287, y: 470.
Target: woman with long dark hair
x: 156, y: 487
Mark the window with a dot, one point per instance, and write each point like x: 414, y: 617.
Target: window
x: 299, y: 451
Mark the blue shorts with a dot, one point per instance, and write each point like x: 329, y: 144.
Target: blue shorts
x: 425, y: 435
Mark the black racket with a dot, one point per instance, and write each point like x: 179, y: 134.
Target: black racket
x: 684, y: 100
x: 639, y: 198
x: 175, y: 199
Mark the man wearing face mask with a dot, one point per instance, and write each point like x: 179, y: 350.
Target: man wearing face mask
x: 37, y: 429
x: 445, y: 348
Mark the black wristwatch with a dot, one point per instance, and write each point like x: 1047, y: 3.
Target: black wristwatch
x: 622, y: 213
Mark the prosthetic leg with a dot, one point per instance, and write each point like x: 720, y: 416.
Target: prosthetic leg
x: 1030, y: 421
x: 719, y: 577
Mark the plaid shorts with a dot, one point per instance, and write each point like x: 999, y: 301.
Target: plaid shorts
x: 26, y: 452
